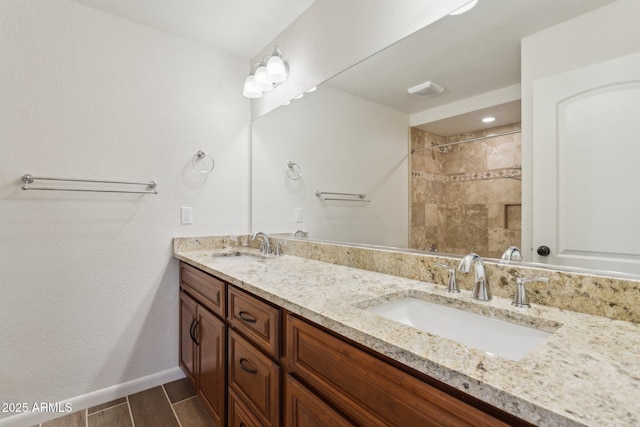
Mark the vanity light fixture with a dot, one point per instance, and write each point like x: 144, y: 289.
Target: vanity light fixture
x: 466, y: 8
x: 250, y: 90
x: 261, y: 80
x: 489, y: 119
x: 266, y: 75
x: 277, y: 69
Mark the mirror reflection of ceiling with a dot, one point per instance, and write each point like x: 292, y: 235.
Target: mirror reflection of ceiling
x: 468, y: 55
x: 242, y: 27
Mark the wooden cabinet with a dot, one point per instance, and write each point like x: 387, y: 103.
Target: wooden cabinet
x: 210, y: 334
x: 302, y: 408
x: 187, y: 346
x: 255, y: 379
x: 208, y: 290
x: 369, y: 390
x: 239, y: 415
x: 203, y: 337
x: 256, y: 319
x: 254, y: 371
x: 231, y: 349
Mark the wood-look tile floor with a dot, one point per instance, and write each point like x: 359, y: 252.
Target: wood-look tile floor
x: 174, y: 404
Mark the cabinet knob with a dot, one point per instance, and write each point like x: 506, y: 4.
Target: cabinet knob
x: 543, y: 250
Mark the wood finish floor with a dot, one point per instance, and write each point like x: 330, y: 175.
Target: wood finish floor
x: 174, y: 404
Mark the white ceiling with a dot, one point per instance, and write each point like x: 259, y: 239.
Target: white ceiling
x: 242, y: 27
x: 468, y: 55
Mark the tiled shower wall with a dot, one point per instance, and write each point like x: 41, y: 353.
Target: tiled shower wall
x: 467, y: 199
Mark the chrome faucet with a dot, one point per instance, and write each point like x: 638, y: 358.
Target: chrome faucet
x: 520, y: 298
x: 512, y: 254
x: 452, y: 285
x: 300, y: 233
x: 265, y: 246
x: 481, y: 289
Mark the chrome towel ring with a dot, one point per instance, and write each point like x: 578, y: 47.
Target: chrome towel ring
x: 199, y: 156
x: 293, y: 171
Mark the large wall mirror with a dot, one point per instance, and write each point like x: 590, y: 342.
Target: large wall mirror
x: 362, y: 160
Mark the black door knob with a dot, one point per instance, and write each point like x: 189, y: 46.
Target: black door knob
x: 543, y: 250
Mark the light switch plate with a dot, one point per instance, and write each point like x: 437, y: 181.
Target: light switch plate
x: 186, y: 215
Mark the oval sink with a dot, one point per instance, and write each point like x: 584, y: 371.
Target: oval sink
x: 493, y: 336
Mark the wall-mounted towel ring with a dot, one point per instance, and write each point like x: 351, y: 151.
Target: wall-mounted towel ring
x: 199, y: 156
x: 293, y: 171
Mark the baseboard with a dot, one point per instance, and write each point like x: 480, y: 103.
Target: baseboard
x: 94, y: 398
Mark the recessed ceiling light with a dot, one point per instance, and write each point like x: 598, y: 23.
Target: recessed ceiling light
x: 489, y: 119
x: 313, y: 89
x: 299, y: 96
x: 466, y: 8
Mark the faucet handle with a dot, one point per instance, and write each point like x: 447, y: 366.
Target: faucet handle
x: 277, y: 251
x: 452, y: 286
x: 520, y: 298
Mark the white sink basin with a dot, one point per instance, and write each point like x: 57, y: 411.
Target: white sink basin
x: 493, y: 336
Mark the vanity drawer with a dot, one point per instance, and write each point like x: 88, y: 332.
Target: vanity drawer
x: 367, y: 389
x: 255, y: 379
x: 256, y: 319
x: 304, y: 409
x: 239, y: 415
x: 207, y: 289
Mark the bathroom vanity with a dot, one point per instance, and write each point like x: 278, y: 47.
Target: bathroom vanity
x: 291, y: 341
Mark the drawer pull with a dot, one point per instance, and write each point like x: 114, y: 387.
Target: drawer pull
x: 191, y: 330
x: 195, y: 328
x: 218, y: 297
x: 247, y: 317
x: 243, y: 365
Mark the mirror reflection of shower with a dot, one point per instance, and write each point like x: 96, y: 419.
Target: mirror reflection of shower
x: 466, y: 191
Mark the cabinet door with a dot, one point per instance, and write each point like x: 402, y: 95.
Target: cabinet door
x: 210, y: 335
x: 304, y: 409
x: 187, y: 346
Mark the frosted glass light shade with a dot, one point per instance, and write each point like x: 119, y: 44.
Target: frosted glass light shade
x: 250, y: 90
x: 261, y: 80
x: 276, y: 69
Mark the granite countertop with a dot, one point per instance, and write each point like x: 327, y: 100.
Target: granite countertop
x: 586, y: 373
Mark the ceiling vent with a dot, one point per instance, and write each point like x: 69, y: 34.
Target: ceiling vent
x: 426, y: 89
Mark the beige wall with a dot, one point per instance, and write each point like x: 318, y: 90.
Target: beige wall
x: 462, y: 200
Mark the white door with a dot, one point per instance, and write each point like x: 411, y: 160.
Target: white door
x: 586, y: 166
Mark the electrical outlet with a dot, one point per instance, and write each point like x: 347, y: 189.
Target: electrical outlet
x: 186, y: 215
x: 298, y: 215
